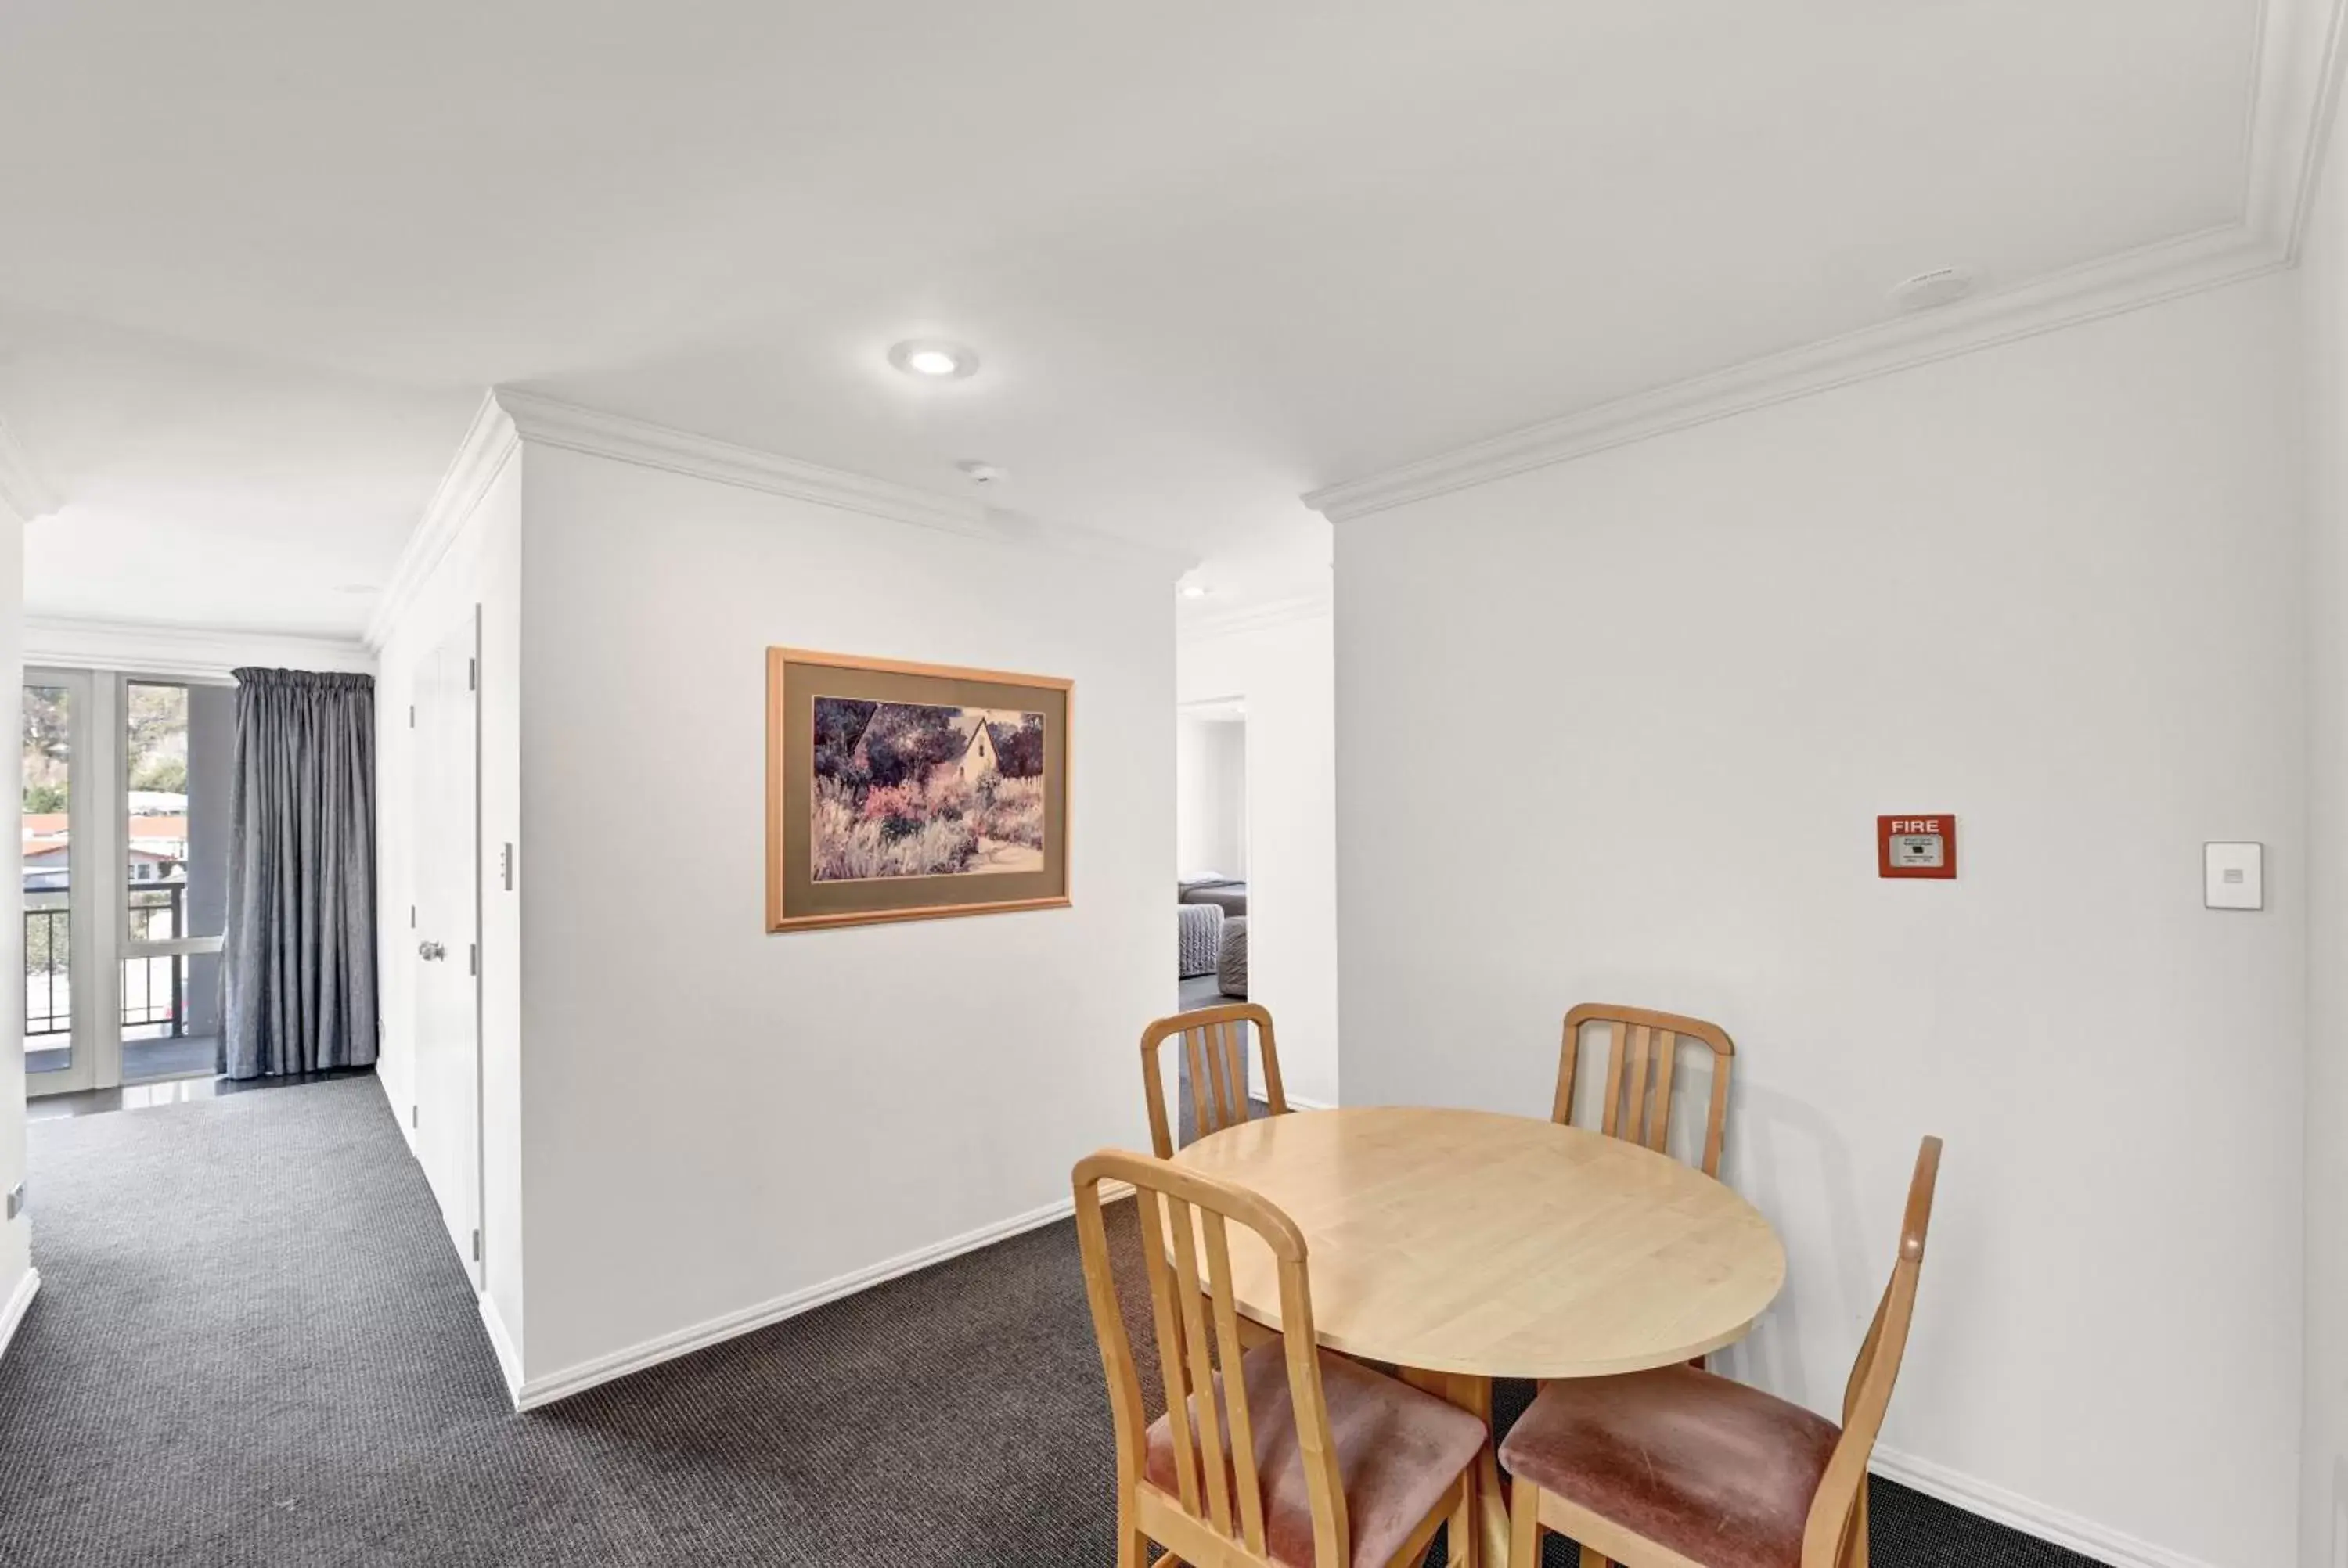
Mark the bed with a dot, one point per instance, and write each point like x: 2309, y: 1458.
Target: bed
x: 1228, y: 894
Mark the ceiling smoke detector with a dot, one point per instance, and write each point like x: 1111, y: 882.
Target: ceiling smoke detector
x: 1940, y: 286
x: 979, y: 472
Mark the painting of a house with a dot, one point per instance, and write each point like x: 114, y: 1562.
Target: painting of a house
x: 906, y: 789
x: 898, y: 790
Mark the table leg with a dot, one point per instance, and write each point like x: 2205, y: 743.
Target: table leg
x: 1474, y: 1395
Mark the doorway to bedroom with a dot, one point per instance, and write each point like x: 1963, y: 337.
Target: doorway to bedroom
x: 1211, y: 833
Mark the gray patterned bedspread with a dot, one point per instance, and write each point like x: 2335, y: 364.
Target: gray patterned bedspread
x: 1201, y: 933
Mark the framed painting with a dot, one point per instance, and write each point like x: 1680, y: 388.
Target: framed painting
x: 910, y: 792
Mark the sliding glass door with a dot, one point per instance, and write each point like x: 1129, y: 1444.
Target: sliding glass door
x: 58, y: 923
x: 176, y: 740
x: 126, y: 786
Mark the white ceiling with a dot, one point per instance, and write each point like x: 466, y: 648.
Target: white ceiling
x: 263, y: 254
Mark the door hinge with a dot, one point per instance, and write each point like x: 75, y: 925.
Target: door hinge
x: 414, y: 1116
x: 472, y: 958
x: 472, y: 674
x: 411, y: 715
x: 411, y: 916
x: 476, y: 1245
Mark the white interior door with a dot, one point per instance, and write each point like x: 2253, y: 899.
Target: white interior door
x: 447, y: 1001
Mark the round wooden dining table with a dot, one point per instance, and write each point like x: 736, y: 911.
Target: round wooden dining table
x: 1461, y: 1245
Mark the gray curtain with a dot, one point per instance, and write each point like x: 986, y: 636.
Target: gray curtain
x: 297, y: 970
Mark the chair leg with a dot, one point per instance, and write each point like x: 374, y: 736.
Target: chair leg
x: 1590, y: 1559
x: 1132, y: 1547
x: 1854, y: 1550
x: 1462, y: 1528
x: 1524, y: 1524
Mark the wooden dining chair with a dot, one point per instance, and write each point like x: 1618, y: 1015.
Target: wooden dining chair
x: 1214, y: 1047
x: 1303, y: 1459
x: 1676, y: 1467
x: 1646, y: 1047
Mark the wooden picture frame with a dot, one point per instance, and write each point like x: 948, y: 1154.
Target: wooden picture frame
x: 899, y: 791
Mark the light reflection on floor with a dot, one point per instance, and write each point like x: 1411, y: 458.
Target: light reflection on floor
x: 168, y: 1091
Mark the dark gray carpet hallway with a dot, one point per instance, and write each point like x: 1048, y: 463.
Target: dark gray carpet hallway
x: 253, y: 1345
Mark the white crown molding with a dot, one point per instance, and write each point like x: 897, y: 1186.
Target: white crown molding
x: 2294, y: 89
x: 189, y: 652
x: 2293, y: 97
x: 507, y: 419
x: 21, y: 490
x: 1204, y: 625
x: 481, y: 457
x: 548, y: 423
x: 2126, y: 283
x: 545, y: 422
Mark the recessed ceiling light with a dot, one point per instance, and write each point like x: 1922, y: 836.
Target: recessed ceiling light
x: 1194, y: 591
x: 934, y: 359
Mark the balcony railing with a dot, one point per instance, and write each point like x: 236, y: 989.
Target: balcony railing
x: 48, y: 948
x: 157, y: 913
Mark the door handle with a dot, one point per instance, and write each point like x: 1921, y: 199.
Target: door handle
x: 430, y: 951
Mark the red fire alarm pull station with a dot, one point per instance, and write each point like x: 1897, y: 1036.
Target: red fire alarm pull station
x: 1917, y: 843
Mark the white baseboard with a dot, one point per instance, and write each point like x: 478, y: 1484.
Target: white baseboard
x: 20, y: 1301
x: 1298, y: 1103
x: 501, y: 1343
x: 537, y: 1391
x: 2052, y: 1525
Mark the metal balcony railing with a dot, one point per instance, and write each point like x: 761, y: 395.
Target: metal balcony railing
x: 157, y: 913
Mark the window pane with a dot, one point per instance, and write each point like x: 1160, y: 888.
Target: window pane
x: 176, y: 834
x: 47, y: 836
x: 175, y: 839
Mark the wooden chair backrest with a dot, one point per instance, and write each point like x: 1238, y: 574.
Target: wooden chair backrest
x: 1638, y: 1074
x: 1215, y: 1046
x: 1869, y: 1394
x: 1181, y: 1213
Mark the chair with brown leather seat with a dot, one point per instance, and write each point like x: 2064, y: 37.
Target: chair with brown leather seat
x: 1639, y: 1072
x: 1676, y: 1467
x: 1305, y: 1459
x: 1213, y: 1057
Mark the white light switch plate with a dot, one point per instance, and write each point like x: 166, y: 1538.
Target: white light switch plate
x: 2233, y: 876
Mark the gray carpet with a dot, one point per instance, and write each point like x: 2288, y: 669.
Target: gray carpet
x: 253, y: 1345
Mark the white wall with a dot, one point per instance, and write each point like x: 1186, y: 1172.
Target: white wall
x: 16, y: 1276
x: 717, y: 1120
x: 2052, y: 587
x: 1211, y: 833
x: 1285, y: 673
x: 2323, y: 285
x: 482, y: 567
